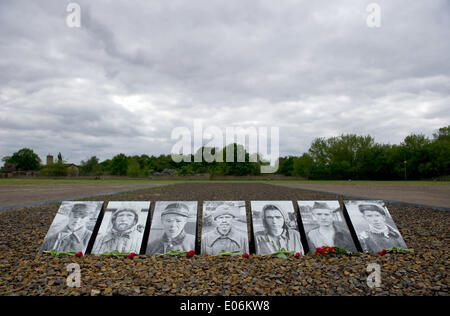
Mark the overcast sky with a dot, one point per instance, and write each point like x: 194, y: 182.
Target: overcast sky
x: 135, y: 70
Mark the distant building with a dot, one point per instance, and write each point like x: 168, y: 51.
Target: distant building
x: 72, y: 170
x: 10, y: 167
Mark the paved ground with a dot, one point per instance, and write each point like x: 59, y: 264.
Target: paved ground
x: 17, y: 195
x: 437, y: 195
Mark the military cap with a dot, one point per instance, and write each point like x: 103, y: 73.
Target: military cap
x: 176, y: 208
x: 81, y: 209
x: 321, y: 205
x: 225, y: 210
x: 371, y: 207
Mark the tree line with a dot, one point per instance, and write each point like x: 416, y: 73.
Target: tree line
x: 361, y: 158
x: 336, y: 158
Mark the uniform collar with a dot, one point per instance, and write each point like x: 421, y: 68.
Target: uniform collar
x: 386, y: 232
x: 78, y: 234
x: 114, y: 234
x: 231, y: 235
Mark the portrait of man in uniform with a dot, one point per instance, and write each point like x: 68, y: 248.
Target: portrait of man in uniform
x: 170, y: 231
x: 70, y: 230
x: 122, y: 227
x: 225, y: 229
x: 374, y: 226
x: 274, y: 228
x: 325, y: 225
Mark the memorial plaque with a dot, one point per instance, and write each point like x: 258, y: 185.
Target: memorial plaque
x: 374, y: 225
x: 224, y: 227
x: 174, y: 227
x: 325, y: 225
x: 122, y: 227
x: 275, y: 227
x: 72, y: 226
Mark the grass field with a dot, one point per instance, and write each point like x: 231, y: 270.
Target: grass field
x: 81, y: 181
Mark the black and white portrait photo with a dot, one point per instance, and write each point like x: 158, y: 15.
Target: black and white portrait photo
x: 122, y: 227
x: 224, y: 227
x: 275, y: 227
x: 174, y: 226
x: 325, y: 225
x: 72, y: 226
x: 374, y: 225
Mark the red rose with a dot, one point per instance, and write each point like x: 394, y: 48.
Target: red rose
x: 131, y: 255
x: 382, y: 252
x: 330, y: 250
x: 190, y: 253
x: 79, y: 254
x: 297, y: 255
x: 321, y: 250
x: 245, y: 255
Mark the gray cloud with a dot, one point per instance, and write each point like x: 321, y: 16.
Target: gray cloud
x: 134, y: 71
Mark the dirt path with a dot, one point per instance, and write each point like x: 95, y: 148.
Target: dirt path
x: 431, y: 195
x: 12, y: 196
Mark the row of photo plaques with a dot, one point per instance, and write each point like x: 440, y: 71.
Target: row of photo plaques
x: 122, y: 226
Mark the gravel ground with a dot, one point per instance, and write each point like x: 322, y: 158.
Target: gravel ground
x: 425, y: 272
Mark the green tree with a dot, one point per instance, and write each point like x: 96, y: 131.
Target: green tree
x: 442, y: 134
x: 90, y: 166
x: 235, y: 167
x: 303, y: 166
x: 415, y: 148
x: 133, y: 169
x: 25, y: 159
x: 119, y: 165
x: 186, y: 170
x: 286, y: 166
x: 440, y: 151
x: 343, y: 157
x: 105, y: 167
x: 60, y: 158
x: 54, y: 170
